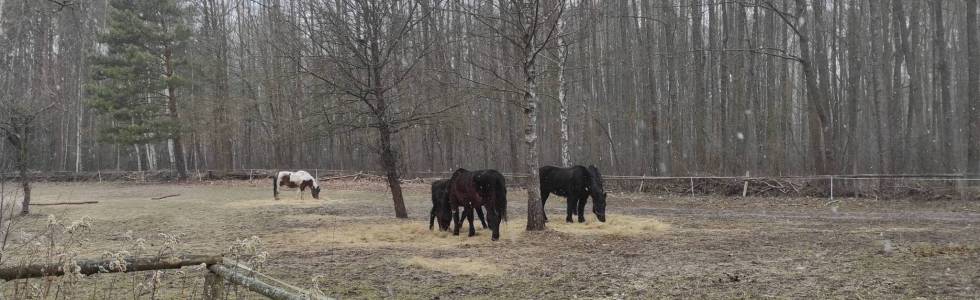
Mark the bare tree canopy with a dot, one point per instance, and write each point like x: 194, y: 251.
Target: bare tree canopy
x: 635, y: 87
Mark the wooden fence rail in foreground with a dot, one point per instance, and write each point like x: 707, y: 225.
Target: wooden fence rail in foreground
x: 219, y: 271
x: 89, y: 267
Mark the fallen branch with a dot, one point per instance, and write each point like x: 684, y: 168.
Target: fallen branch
x: 260, y: 283
x: 88, y: 267
x: 164, y: 197
x: 65, y: 203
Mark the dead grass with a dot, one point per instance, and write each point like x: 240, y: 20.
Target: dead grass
x: 456, y: 266
x: 651, y: 247
x: 930, y: 250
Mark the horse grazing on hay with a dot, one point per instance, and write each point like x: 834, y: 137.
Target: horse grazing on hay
x: 576, y: 184
x: 440, y: 206
x: 474, y: 189
x: 300, y: 179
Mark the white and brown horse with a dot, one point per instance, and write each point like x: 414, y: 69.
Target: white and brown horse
x: 298, y: 179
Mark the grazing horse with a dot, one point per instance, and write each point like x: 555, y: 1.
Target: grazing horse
x: 300, y: 179
x: 474, y: 189
x: 440, y: 206
x: 576, y: 184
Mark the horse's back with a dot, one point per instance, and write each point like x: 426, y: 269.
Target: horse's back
x: 303, y: 175
x: 440, y: 189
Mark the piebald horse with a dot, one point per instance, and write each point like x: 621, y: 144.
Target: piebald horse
x: 300, y: 179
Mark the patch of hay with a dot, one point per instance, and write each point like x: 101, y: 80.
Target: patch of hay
x: 615, y: 225
x: 392, y: 233
x: 456, y: 266
x: 381, y: 232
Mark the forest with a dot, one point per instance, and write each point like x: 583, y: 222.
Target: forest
x: 635, y: 87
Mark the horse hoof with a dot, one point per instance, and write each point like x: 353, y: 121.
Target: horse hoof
x: 494, y: 238
x: 581, y: 220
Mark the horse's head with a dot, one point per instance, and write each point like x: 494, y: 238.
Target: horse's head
x: 598, y: 194
x: 315, y: 191
x: 599, y: 206
x: 441, y: 213
x: 444, y: 217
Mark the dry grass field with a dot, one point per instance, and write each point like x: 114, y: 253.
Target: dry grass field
x: 349, y: 245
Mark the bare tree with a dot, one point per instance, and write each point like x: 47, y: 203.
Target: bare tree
x: 365, y: 54
x: 27, y: 82
x: 528, y: 26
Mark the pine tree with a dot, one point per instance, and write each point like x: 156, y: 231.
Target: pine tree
x: 135, y: 74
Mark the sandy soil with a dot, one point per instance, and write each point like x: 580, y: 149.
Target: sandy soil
x: 652, y: 246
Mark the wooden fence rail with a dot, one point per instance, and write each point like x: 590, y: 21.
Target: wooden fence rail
x: 89, y: 267
x: 220, y: 270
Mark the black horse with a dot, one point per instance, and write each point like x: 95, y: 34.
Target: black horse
x: 576, y: 184
x: 474, y: 189
x: 440, y: 206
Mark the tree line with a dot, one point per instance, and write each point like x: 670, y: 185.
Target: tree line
x: 636, y: 87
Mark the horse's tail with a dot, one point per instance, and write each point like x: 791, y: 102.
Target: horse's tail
x: 500, y: 189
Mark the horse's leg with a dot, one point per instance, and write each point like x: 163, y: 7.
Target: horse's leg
x: 544, y: 199
x: 457, y: 223
x: 432, y: 217
x: 572, y: 203
x: 479, y: 213
x: 469, y: 217
x: 494, y: 223
x: 581, y: 208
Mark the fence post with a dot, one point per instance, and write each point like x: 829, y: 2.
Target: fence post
x: 214, y: 287
x: 831, y: 187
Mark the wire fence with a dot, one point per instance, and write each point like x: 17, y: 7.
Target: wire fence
x: 880, y: 186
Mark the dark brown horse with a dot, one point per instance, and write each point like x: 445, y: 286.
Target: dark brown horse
x: 440, y: 206
x: 470, y: 190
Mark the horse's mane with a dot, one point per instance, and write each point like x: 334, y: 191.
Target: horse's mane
x: 457, y: 173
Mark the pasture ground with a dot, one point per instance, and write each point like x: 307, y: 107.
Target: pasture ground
x: 652, y: 246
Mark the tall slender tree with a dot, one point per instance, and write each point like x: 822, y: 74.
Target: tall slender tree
x: 973, y: 86
x: 136, y: 74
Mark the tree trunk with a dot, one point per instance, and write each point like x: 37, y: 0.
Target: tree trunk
x: 389, y: 159
x: 535, y: 210
x: 23, y: 158
x: 973, y: 84
x: 816, y: 116
x: 562, y: 93
x: 699, y: 91
x: 390, y: 163
x: 945, y: 112
x: 174, y: 116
